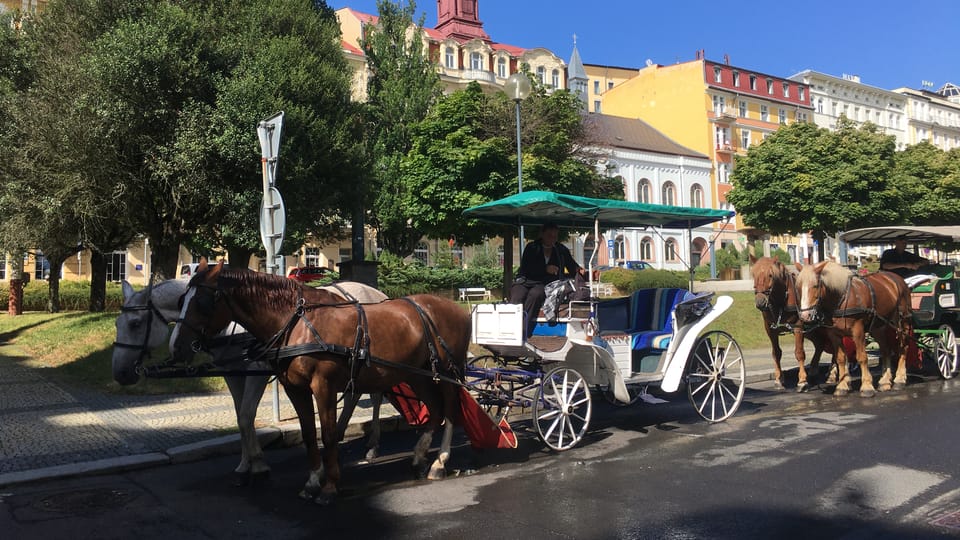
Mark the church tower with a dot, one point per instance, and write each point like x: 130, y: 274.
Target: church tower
x: 460, y: 20
x: 577, y: 77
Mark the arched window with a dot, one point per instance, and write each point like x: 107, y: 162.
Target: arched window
x: 644, y: 191
x: 476, y: 61
x: 502, y: 68
x: 542, y: 74
x: 449, y: 58
x: 646, y: 249
x: 670, y: 250
x: 619, y: 248
x: 588, y: 248
x: 555, y: 78
x: 669, y: 195
x: 696, y: 196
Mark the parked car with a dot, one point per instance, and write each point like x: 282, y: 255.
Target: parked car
x: 307, y: 274
x: 188, y: 270
x: 636, y: 265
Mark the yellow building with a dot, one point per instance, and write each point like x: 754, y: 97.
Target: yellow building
x: 601, y: 79
x: 710, y: 107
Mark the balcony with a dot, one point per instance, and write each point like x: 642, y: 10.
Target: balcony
x: 724, y: 117
x: 478, y: 75
x: 726, y: 149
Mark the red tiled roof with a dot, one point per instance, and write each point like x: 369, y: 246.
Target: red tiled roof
x: 352, y: 49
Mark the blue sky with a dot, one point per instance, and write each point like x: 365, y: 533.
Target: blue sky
x: 888, y: 44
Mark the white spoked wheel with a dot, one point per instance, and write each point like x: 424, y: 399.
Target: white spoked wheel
x: 562, y: 409
x: 945, y: 349
x: 716, y: 376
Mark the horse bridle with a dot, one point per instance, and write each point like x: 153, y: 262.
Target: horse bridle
x: 144, y: 347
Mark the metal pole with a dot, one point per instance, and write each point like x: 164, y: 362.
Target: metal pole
x: 519, y: 172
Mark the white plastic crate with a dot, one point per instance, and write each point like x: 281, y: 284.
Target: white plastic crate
x: 498, y: 324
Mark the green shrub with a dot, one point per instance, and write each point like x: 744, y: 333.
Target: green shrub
x: 74, y: 296
x: 627, y: 281
x: 397, y: 278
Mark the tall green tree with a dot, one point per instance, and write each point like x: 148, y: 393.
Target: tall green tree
x: 930, y: 181
x: 402, y: 87
x: 804, y: 178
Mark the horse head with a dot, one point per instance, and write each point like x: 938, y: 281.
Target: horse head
x: 203, y: 314
x: 821, y: 286
x: 769, y: 282
x: 142, y: 326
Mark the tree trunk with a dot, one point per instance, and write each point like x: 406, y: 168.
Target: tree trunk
x: 53, y: 283
x: 819, y: 237
x: 98, y: 281
x: 239, y: 257
x: 163, y: 257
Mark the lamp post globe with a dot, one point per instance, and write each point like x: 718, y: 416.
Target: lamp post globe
x: 517, y: 86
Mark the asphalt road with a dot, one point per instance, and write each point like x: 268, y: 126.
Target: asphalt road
x: 786, y: 466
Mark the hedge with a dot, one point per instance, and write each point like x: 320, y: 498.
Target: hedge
x: 627, y: 281
x: 74, y: 296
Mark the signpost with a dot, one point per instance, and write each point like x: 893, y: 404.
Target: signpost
x: 273, y: 215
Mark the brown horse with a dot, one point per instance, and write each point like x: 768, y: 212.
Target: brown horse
x: 847, y: 305
x: 775, y: 290
x: 421, y: 341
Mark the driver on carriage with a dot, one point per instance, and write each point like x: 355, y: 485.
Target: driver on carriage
x: 900, y: 261
x: 544, y: 261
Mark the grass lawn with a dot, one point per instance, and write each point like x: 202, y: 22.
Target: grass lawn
x: 76, y: 346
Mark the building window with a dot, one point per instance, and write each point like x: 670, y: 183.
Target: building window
x: 117, y: 266
x: 723, y: 173
x: 696, y: 196
x: 596, y: 87
x: 770, y: 86
x: 609, y: 85
x: 820, y: 105
x: 596, y: 106
x: 542, y: 74
x: 3, y: 266
x: 753, y: 82
x: 476, y: 61
x: 555, y: 78
x: 786, y: 89
x: 644, y: 191
x: 312, y: 256
x: 669, y: 194
x: 717, y: 75
x: 502, y: 68
x: 670, y: 250
x: 764, y: 113
x: 619, y: 248
x: 783, y: 116
x: 723, y: 137
x: 646, y: 249
x: 345, y: 254
x: 449, y: 59
x: 41, y: 269
x: 743, y: 109
x: 744, y: 138
x: 736, y: 78
x: 719, y: 104
x: 801, y: 93
x: 421, y: 253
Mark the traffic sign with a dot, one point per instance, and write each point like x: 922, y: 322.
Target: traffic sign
x: 273, y: 221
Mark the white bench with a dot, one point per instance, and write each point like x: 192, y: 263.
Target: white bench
x: 474, y: 293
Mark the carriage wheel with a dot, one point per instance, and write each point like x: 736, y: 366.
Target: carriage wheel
x: 562, y: 409
x: 490, y: 393
x: 945, y: 351
x: 716, y: 376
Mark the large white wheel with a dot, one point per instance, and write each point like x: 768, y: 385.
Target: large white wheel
x: 562, y: 409
x: 945, y: 350
x: 716, y: 376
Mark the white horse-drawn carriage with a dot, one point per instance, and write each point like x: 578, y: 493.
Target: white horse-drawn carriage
x: 618, y: 347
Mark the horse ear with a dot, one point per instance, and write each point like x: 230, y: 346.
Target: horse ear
x: 127, y: 290
x: 799, y: 266
x: 819, y: 266
x: 753, y: 259
x: 216, y: 270
x: 202, y: 265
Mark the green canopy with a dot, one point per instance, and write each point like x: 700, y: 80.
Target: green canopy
x: 571, y: 211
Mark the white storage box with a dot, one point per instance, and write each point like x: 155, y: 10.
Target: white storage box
x: 498, y: 324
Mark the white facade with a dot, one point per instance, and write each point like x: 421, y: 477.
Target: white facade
x: 832, y: 97
x: 660, y: 179
x: 932, y: 118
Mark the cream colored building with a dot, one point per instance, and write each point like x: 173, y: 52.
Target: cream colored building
x: 933, y: 116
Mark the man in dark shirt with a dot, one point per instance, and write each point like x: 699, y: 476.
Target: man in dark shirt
x: 544, y: 260
x: 900, y: 261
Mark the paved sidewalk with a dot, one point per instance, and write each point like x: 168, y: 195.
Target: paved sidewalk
x: 49, y: 431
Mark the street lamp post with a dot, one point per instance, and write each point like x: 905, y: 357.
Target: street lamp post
x: 518, y: 88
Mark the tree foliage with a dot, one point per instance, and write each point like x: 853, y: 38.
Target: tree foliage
x: 930, y: 181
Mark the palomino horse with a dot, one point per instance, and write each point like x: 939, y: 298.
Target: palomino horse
x: 775, y: 290
x: 143, y: 326
x: 320, y: 346
x: 847, y: 305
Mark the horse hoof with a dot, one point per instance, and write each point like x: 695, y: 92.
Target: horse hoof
x: 325, y: 499
x: 868, y: 393
x: 841, y: 392
x: 240, y: 479
x: 802, y: 387
x: 777, y: 385
x: 899, y: 386
x: 437, y: 473
x: 884, y: 388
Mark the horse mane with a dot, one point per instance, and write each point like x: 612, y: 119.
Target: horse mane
x: 270, y: 290
x: 835, y: 277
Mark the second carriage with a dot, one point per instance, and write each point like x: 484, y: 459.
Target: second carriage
x: 617, y: 348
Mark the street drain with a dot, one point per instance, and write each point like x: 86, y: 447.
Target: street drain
x: 85, y: 501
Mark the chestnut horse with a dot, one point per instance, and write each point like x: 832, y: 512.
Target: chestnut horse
x: 775, y: 290
x: 848, y: 305
x: 421, y: 340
